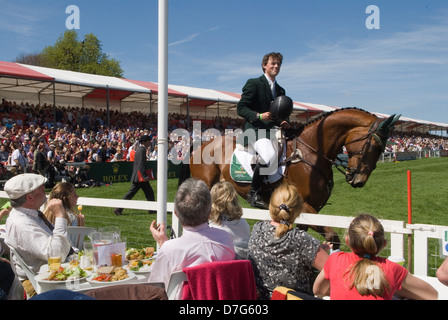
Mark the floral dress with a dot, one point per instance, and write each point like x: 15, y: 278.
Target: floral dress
x: 282, y: 262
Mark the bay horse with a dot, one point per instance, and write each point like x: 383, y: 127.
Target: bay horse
x: 310, y: 158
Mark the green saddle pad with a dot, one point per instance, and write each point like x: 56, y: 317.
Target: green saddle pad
x: 237, y: 172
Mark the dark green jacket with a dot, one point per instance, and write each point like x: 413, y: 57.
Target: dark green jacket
x: 256, y: 98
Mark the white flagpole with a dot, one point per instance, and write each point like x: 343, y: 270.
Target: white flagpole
x: 162, y: 130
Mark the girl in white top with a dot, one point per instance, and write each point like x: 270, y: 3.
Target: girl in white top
x: 226, y: 214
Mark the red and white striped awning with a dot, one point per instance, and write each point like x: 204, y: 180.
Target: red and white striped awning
x: 20, y: 82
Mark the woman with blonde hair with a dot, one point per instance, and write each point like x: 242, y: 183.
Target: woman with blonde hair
x: 281, y: 254
x: 362, y: 275
x: 227, y: 214
x: 66, y: 192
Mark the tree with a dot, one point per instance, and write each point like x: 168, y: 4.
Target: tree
x: 34, y: 59
x: 68, y: 53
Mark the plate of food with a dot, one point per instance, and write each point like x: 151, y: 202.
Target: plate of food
x: 140, y: 266
x: 139, y: 254
x: 110, y: 275
x: 62, y: 274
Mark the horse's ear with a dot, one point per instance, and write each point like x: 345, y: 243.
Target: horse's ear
x: 394, y: 120
x: 387, y: 124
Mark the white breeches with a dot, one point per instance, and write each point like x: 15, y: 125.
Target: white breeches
x: 268, y: 155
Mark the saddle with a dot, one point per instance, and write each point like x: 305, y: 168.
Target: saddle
x: 245, y: 157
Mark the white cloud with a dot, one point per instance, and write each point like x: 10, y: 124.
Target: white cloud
x: 363, y: 59
x: 191, y: 37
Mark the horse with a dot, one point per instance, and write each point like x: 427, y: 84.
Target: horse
x: 310, y: 157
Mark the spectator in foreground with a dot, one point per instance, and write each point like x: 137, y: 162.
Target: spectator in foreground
x: 362, y: 275
x: 28, y: 231
x: 66, y: 192
x: 199, y: 242
x: 280, y: 254
x: 227, y: 215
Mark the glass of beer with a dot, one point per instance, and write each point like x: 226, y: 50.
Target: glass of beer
x: 117, y: 259
x: 54, y: 262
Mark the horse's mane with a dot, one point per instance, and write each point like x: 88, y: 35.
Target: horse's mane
x: 325, y: 115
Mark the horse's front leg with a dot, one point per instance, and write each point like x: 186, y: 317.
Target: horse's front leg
x: 327, y: 232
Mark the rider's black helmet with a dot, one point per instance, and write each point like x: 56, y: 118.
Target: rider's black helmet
x: 281, y: 109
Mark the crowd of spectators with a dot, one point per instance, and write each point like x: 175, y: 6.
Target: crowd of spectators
x: 416, y: 142
x: 79, y: 134
x: 75, y: 134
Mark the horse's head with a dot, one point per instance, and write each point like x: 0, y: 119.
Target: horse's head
x: 364, y: 150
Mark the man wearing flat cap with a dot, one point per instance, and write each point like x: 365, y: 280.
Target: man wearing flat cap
x: 139, y: 178
x: 27, y: 230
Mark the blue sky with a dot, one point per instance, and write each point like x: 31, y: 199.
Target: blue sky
x: 330, y: 56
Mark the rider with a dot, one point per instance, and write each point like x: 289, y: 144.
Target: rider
x: 254, y: 106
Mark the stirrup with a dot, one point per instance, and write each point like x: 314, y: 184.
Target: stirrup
x: 255, y: 200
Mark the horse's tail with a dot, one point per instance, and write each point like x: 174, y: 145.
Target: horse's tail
x: 184, y: 172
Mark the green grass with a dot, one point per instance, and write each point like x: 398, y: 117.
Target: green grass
x: 384, y: 196
x: 386, y: 193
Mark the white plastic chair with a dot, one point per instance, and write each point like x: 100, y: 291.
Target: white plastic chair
x: 177, y: 279
x: 77, y: 235
x: 30, y: 274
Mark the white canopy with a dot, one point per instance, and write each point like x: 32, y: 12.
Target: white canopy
x: 39, y: 85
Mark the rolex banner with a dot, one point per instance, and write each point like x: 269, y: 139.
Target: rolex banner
x: 121, y: 171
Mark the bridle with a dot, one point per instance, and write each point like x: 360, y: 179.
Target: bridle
x: 338, y: 162
x: 374, y: 133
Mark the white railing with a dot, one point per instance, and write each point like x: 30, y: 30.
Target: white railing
x: 419, y: 154
x: 423, y: 232
x: 398, y: 230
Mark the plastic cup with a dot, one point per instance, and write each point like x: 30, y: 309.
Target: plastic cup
x: 397, y: 259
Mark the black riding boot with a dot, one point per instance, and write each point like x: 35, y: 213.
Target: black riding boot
x: 253, y: 197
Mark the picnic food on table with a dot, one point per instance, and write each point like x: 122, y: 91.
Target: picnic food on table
x: 63, y: 274
x: 139, y: 254
x: 140, y: 265
x: 110, y: 273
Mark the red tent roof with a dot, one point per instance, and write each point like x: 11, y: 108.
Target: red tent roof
x: 113, y: 94
x: 154, y: 87
x: 16, y: 70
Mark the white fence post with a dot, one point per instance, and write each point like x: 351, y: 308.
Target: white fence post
x: 421, y: 234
